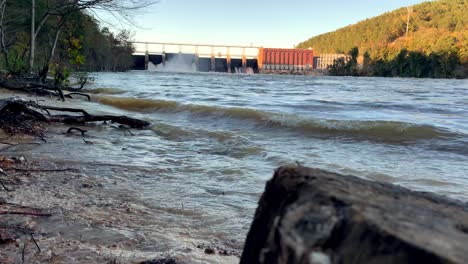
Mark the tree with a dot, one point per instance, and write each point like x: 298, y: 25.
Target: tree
x: 366, y: 63
x: 352, y: 65
x: 64, y: 8
x: 3, y: 47
x: 428, y: 27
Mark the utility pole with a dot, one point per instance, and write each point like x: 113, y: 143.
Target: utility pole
x: 410, y: 10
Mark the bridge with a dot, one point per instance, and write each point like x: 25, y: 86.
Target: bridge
x: 203, y: 57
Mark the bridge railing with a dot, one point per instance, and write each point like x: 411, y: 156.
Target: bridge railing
x: 204, y: 50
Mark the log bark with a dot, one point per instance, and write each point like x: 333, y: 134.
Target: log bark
x: 13, y: 107
x: 313, y: 216
x: 43, y: 88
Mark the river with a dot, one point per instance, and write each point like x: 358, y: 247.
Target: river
x: 216, y: 139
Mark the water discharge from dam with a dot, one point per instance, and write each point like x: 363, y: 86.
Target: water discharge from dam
x: 177, y: 63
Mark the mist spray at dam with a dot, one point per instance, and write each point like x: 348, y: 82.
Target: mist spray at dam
x: 178, y: 63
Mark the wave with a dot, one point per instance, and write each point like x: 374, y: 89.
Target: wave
x: 369, y: 129
x: 104, y: 91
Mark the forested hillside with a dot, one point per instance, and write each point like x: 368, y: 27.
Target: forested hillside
x: 80, y: 42
x: 435, y: 28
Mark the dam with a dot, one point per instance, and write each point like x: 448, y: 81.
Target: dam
x: 165, y: 56
x: 196, y: 57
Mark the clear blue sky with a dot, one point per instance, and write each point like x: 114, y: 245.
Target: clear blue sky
x: 268, y: 23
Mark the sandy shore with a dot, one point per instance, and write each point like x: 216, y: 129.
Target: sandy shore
x: 93, y: 218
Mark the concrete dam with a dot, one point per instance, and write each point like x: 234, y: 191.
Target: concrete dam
x: 192, y: 62
x: 228, y: 58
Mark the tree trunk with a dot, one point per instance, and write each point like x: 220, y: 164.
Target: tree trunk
x: 45, y: 70
x: 32, y: 49
x: 4, y: 49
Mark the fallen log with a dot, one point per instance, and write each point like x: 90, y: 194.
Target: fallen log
x: 17, y: 111
x: 33, y: 86
x: 313, y: 216
x: 123, y: 120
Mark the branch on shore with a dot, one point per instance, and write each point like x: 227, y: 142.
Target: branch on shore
x: 69, y: 95
x: 71, y: 129
x: 4, y: 187
x: 32, y: 86
x: 19, y: 115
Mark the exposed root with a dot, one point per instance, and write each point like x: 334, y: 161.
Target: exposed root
x: 19, y: 116
x: 71, y: 129
x: 33, y: 86
x: 69, y: 95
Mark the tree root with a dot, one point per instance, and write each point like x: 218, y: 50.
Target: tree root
x: 21, y: 116
x: 69, y: 95
x: 33, y: 86
x: 4, y: 187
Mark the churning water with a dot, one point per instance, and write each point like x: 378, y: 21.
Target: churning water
x: 216, y: 138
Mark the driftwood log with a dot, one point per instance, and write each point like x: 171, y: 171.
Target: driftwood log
x: 313, y: 216
x: 24, y: 110
x: 42, y: 88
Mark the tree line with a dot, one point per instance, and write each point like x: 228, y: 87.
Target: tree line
x: 426, y: 40
x: 405, y: 64
x: 50, y: 37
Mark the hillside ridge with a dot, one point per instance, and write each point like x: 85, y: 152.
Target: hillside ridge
x: 434, y: 27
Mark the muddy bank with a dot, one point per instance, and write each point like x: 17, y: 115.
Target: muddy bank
x: 313, y: 216
x: 77, y: 216
x: 61, y: 203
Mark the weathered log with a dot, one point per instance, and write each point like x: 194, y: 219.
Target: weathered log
x: 33, y: 86
x: 20, y: 107
x: 313, y: 216
x: 123, y: 120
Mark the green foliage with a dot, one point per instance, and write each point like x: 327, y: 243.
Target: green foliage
x: 82, y: 46
x: 405, y: 64
x: 75, y: 50
x: 344, y: 67
x: 60, y: 73
x: 438, y: 35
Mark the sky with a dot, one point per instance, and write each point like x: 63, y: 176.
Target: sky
x: 267, y: 23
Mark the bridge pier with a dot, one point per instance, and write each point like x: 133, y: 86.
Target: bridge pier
x: 228, y: 60
x: 164, y: 58
x: 164, y: 55
x: 196, y: 60
x: 244, y: 61
x: 213, y: 60
x: 146, y: 60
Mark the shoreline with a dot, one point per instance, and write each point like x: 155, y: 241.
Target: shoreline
x: 87, y: 224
